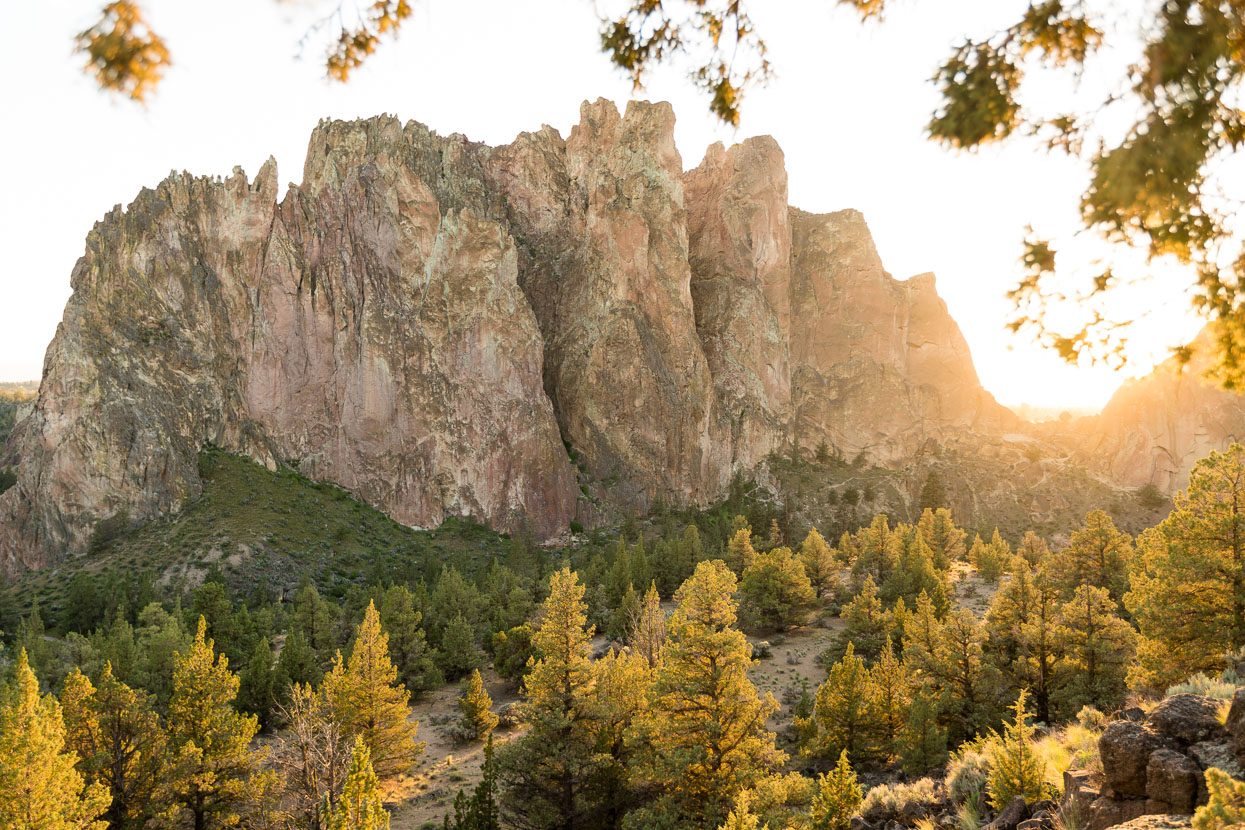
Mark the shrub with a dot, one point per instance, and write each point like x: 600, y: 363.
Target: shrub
x: 889, y: 799
x: 967, y: 774
x: 838, y: 797
x: 1091, y: 718
x: 1223, y: 687
x: 108, y: 530
x: 1015, y: 768
x: 1226, y: 804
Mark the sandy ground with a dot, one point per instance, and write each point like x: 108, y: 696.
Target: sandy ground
x: 428, y: 793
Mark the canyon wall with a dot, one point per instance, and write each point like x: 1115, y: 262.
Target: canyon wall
x: 551, y: 330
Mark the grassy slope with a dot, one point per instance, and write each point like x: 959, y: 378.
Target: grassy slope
x: 267, y: 531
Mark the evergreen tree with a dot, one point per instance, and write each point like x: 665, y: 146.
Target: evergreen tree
x: 1098, y: 555
x: 933, y: 494
x: 39, y: 787
x: 359, y: 807
x: 878, y: 554
x: 1022, y: 642
x: 866, y: 624
x: 459, y: 653
x: 1033, y: 549
x: 366, y: 699
x: 845, y: 714
x: 1097, y: 647
x: 819, y: 564
x: 313, y: 754
x: 924, y: 740
x: 297, y: 664
x: 479, y: 812
x: 512, y: 651
x: 705, y: 726
x: 614, y: 705
x: 739, y: 551
x: 215, y: 776
x: 943, y: 537
x: 647, y: 632
x: 475, y: 708
x: 408, y: 645
x: 316, y: 619
x: 774, y: 591
x: 1188, y: 579
x: 891, y: 684
x: 1015, y: 768
x: 547, y: 771
x: 257, y: 689
x: 118, y: 738
x: 986, y: 559
x: 838, y: 797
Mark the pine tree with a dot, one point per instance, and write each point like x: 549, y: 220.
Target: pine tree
x: 1188, y: 579
x: 1015, y: 768
x: 819, y: 564
x: 739, y: 551
x: 1225, y: 806
x: 479, y: 812
x: 878, y: 555
x: 257, y: 690
x: 924, y: 740
x: 838, y: 797
x: 297, y: 664
x: 1021, y: 644
x: 866, y: 622
x: 368, y: 702
x: 845, y: 713
x: 408, y: 645
x: 116, y: 734
x: 705, y: 725
x: 986, y: 559
x: 313, y: 753
x: 647, y: 631
x: 1033, y: 549
x: 317, y: 620
x: 39, y: 787
x: 891, y: 682
x: 943, y: 537
x: 1098, y: 555
x: 774, y: 591
x: 933, y: 494
x: 1097, y: 648
x: 546, y: 772
x: 359, y: 807
x: 459, y: 653
x: 741, y: 816
x: 215, y: 774
x: 476, y: 716
x: 614, y: 705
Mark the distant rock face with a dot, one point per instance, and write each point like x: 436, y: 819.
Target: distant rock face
x: 1155, y: 428
x: 445, y: 328
x: 739, y: 231
x: 878, y: 365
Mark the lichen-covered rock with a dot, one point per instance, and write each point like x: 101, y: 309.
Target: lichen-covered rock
x: 1187, y: 719
x: 1172, y: 780
x: 1125, y: 749
x: 1109, y: 812
x: 1159, y: 822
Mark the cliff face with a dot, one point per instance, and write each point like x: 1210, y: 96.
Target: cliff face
x: 1155, y: 428
x: 878, y: 365
x: 433, y: 323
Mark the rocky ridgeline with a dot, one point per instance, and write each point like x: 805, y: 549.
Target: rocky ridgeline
x: 556, y: 329
x: 553, y: 330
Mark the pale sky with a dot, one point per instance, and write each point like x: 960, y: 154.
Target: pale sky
x: 848, y: 106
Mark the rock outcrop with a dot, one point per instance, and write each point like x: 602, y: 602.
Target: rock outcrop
x: 878, y: 365
x: 1157, y: 766
x: 554, y: 329
x: 1155, y: 428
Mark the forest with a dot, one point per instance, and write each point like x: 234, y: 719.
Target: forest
x: 956, y: 666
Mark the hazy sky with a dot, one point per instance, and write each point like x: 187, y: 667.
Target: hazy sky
x: 848, y: 107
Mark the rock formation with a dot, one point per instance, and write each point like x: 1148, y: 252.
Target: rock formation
x: 549, y: 330
x: 1155, y: 428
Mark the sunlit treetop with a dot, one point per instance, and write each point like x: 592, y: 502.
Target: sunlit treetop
x: 123, y: 53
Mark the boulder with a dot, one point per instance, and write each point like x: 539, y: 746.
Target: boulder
x: 1125, y: 748
x: 1236, y: 725
x: 858, y: 823
x: 1188, y: 719
x: 1158, y: 822
x: 1172, y: 779
x: 1010, y: 816
x: 1108, y: 812
x: 1216, y: 754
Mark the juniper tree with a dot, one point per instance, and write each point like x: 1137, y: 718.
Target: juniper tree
x: 846, y: 716
x: 838, y: 797
x: 819, y: 565
x: 1015, y: 767
x: 475, y: 707
x: 774, y: 590
x: 360, y: 806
